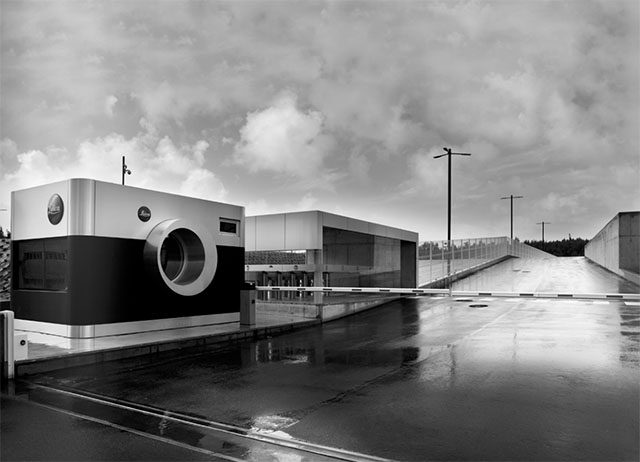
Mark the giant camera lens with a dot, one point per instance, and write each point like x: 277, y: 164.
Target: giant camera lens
x: 182, y: 256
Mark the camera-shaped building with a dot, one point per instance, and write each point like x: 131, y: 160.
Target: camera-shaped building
x: 92, y: 259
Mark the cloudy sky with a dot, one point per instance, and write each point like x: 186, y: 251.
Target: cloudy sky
x: 338, y: 106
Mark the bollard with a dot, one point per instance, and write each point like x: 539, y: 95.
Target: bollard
x: 248, y: 304
x: 7, y: 356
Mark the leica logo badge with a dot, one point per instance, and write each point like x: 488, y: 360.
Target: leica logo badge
x: 55, y: 209
x: 144, y: 214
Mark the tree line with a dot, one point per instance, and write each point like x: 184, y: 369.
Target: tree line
x: 564, y: 248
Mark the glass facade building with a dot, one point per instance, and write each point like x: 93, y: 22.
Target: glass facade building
x: 321, y: 249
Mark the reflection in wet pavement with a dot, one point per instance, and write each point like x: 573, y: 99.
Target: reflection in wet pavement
x: 630, y: 330
x: 421, y: 378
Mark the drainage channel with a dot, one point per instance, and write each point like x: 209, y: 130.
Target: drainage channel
x: 218, y: 439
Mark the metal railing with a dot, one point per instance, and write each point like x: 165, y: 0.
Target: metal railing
x: 440, y: 259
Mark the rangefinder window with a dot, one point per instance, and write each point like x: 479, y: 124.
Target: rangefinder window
x: 228, y: 226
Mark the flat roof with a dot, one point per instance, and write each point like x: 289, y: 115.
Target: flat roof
x: 303, y: 230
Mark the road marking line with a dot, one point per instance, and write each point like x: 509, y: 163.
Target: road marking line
x: 632, y: 303
x: 290, y: 443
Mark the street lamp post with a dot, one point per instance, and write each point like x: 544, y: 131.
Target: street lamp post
x: 124, y: 170
x: 543, y: 223
x: 512, y: 197
x: 448, y: 153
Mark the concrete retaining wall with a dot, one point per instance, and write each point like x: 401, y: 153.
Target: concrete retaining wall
x: 329, y: 312
x: 288, y: 310
x: 617, y: 246
x: 322, y: 311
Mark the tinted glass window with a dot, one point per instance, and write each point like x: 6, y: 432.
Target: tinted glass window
x: 42, y: 264
x: 228, y: 226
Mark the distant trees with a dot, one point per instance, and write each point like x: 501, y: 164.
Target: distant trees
x: 564, y: 248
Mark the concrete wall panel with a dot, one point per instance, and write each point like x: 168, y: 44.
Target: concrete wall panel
x: 250, y: 233
x: 378, y: 230
x: 617, y: 246
x: 302, y: 231
x: 269, y: 231
x: 358, y: 226
x: 334, y: 221
x: 629, y: 241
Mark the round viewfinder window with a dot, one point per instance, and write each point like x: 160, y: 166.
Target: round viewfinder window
x: 182, y: 256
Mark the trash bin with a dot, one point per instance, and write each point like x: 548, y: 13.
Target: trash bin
x: 248, y: 304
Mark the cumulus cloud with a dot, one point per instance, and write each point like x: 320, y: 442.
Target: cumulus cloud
x: 109, y: 103
x: 428, y: 176
x: 284, y: 139
x: 263, y: 207
x: 549, y: 89
x: 359, y: 166
x: 554, y: 202
x: 8, y: 155
x: 156, y: 163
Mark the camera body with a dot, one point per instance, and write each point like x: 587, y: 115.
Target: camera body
x: 92, y: 259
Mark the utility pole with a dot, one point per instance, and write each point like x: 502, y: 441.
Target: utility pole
x: 543, y: 223
x: 512, y: 197
x: 124, y: 170
x: 449, y: 154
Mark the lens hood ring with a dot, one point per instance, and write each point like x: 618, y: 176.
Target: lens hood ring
x: 182, y: 254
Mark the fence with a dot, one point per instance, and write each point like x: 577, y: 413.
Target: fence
x: 440, y: 259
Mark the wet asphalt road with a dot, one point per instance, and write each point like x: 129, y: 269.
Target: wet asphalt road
x: 31, y: 432
x: 419, y: 379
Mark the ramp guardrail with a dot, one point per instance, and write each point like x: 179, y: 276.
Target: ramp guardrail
x: 442, y: 259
